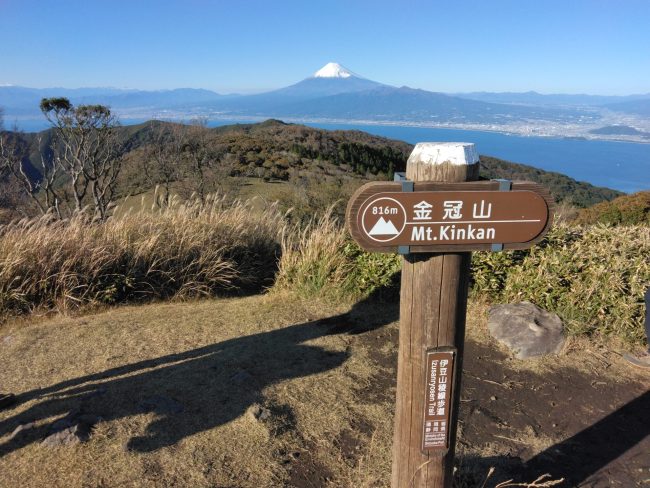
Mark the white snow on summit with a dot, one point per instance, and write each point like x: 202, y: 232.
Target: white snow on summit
x: 333, y: 70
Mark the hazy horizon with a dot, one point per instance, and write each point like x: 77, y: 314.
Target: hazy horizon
x: 244, y: 92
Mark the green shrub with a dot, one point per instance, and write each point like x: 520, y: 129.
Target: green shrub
x: 322, y: 259
x: 594, y: 278
x: 490, y: 270
x: 370, y: 270
x: 631, y: 209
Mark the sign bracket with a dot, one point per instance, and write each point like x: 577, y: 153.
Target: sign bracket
x: 407, y: 186
x: 504, y: 185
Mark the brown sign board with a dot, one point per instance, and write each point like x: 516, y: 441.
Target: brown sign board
x: 437, y: 399
x: 448, y: 217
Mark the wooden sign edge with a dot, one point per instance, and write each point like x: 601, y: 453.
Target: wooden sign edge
x: 375, y: 187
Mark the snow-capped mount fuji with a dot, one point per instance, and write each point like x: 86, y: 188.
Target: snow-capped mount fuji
x: 334, y: 70
x: 331, y: 79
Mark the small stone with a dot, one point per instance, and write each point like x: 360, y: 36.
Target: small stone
x: 259, y: 412
x: 493, y: 398
x: 70, y: 435
x: 72, y: 429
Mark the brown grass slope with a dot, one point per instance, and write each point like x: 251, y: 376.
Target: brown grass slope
x: 276, y: 391
x: 631, y: 209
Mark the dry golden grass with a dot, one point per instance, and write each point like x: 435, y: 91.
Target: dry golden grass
x: 312, y: 258
x: 184, y: 250
x: 306, y: 375
x: 223, y: 360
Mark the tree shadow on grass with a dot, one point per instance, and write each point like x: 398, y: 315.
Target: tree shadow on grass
x: 195, y: 390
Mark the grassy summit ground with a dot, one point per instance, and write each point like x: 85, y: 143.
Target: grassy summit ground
x: 274, y: 390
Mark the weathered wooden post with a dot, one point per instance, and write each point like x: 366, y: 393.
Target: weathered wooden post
x: 435, y: 216
x: 433, y: 303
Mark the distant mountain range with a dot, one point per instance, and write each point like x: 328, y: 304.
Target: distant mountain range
x: 336, y: 93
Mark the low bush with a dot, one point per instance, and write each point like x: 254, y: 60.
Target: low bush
x: 183, y: 250
x: 631, y: 209
x: 322, y: 259
x: 593, y: 277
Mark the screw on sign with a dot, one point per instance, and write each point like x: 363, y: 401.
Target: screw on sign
x: 434, y: 218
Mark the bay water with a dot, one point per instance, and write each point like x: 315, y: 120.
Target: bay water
x: 623, y: 166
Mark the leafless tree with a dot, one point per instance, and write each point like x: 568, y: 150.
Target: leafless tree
x: 41, y: 191
x: 199, y: 154
x: 85, y: 150
x: 161, y: 163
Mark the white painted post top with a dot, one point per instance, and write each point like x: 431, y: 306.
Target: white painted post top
x: 434, y: 153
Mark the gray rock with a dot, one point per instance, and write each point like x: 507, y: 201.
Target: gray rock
x: 72, y: 429
x: 259, y: 412
x: 161, y: 405
x: 71, y: 435
x: 526, y: 329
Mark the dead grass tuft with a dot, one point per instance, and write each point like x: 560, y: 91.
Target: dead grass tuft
x: 183, y: 250
x: 312, y: 258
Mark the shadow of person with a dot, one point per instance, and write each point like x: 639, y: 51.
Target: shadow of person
x: 585, y: 453
x: 199, y: 389
x: 580, y: 458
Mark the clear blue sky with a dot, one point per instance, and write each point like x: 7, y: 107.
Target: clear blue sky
x: 569, y: 46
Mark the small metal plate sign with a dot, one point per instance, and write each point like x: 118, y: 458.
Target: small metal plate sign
x: 437, y: 400
x: 461, y: 216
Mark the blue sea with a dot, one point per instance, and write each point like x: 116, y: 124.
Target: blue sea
x: 623, y: 166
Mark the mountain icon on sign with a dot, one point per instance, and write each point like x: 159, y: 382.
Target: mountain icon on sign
x: 383, y: 228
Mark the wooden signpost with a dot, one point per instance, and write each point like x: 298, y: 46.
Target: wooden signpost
x: 434, y: 217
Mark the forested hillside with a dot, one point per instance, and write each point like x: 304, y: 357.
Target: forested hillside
x: 194, y: 159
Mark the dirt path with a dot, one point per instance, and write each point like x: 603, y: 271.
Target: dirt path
x: 584, y: 416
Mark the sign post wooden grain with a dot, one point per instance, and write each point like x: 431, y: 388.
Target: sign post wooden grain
x: 435, y: 217
x: 433, y: 304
